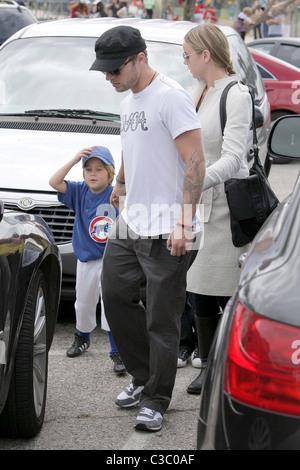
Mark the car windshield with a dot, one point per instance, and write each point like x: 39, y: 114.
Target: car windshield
x: 53, y: 73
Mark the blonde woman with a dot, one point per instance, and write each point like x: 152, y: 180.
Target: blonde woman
x: 214, y: 274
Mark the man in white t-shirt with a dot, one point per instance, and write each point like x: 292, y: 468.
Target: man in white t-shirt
x: 161, y: 175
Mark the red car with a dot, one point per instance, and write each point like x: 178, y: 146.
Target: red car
x: 282, y: 82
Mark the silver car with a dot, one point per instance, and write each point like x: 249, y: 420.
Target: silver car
x: 284, y: 48
x: 13, y: 17
x: 52, y: 105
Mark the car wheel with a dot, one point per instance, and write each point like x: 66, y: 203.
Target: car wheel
x: 276, y: 115
x: 23, y: 414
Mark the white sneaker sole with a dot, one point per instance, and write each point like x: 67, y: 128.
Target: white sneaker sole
x: 144, y: 427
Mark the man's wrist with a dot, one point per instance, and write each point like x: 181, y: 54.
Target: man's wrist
x: 185, y: 226
x: 119, y: 181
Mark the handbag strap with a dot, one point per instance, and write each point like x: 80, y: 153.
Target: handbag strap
x: 255, y: 141
x: 223, y: 116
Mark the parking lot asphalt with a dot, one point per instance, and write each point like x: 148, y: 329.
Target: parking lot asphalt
x: 81, y: 413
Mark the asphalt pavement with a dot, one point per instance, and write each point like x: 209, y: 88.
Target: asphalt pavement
x: 81, y: 413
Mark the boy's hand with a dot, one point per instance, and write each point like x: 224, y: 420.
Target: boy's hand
x: 84, y: 153
x: 57, y: 180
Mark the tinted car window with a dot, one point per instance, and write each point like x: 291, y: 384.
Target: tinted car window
x: 12, y: 20
x: 263, y: 47
x: 265, y: 73
x: 289, y: 53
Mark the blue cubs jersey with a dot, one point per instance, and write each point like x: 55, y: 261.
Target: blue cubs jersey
x: 93, y: 219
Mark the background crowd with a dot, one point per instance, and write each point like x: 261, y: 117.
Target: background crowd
x: 116, y: 9
x: 242, y: 16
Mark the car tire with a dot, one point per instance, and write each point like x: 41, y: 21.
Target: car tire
x: 23, y: 414
x: 276, y: 115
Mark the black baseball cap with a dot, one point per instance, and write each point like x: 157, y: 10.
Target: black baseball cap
x: 115, y: 45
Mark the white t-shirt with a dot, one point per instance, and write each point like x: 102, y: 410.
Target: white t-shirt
x: 276, y: 28
x: 154, y: 170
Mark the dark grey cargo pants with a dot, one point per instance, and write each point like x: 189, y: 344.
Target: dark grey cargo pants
x: 147, y: 338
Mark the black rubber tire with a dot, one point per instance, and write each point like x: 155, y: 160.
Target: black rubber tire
x: 23, y: 414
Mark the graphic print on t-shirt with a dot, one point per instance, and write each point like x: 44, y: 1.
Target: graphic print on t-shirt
x: 133, y: 121
x: 99, y: 228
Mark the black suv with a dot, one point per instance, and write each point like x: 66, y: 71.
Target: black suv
x: 12, y: 18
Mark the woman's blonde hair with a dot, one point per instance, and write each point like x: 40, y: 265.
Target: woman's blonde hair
x: 209, y: 37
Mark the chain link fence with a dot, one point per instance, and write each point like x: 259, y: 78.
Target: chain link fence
x: 50, y: 10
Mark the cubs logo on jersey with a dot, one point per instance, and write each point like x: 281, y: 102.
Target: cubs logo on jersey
x: 99, y: 228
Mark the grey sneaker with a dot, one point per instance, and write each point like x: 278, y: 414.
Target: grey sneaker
x: 130, y: 396
x: 119, y: 367
x: 148, y: 420
x: 78, y: 346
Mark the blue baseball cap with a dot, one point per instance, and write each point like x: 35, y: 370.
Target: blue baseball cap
x: 102, y: 153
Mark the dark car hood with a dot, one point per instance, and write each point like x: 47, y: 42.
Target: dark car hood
x: 270, y: 276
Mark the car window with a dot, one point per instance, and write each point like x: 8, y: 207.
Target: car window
x: 265, y: 47
x: 289, y: 53
x: 51, y: 73
x: 244, y: 65
x: 12, y: 20
x: 265, y: 73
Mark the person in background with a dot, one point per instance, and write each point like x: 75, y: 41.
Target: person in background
x: 244, y: 18
x: 153, y: 240
x: 209, y: 15
x: 98, y: 9
x: 198, y: 13
x: 93, y: 219
x: 149, y: 5
x: 117, y: 9
x: 212, y: 278
x: 275, y: 24
x: 79, y: 10
x: 231, y: 9
x: 264, y: 27
x: 257, y: 31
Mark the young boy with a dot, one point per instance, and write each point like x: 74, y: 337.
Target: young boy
x: 93, y: 219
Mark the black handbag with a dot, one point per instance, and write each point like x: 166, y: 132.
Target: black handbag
x: 250, y: 200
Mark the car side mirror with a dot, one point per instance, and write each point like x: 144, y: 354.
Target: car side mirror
x: 284, y: 138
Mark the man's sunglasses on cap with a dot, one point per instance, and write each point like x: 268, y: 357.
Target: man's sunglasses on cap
x: 117, y: 72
